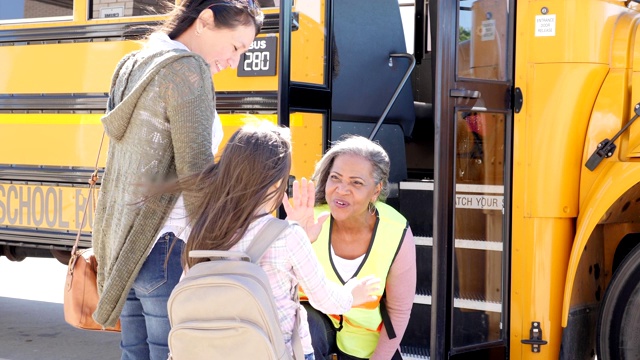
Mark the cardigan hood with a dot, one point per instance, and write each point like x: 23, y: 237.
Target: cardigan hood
x: 120, y: 108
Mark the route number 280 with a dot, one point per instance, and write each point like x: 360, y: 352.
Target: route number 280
x: 257, y: 60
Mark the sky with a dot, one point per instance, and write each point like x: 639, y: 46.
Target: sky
x: 13, y: 9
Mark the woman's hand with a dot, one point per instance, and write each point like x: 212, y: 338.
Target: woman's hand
x: 301, y: 208
x: 362, y: 289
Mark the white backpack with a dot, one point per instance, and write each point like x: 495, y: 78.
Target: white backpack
x: 224, y: 308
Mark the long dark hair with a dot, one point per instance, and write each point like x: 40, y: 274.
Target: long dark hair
x: 228, y: 14
x: 231, y: 191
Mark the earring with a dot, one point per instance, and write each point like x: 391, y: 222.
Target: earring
x: 372, y: 208
x: 198, y: 32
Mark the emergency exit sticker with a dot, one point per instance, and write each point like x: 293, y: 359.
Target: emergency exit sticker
x: 545, y: 25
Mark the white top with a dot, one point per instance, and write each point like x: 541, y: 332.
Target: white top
x: 177, y: 221
x: 346, y: 268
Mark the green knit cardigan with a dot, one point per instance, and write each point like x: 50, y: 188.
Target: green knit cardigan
x: 159, y: 123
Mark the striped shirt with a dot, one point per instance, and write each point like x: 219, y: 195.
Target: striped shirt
x: 291, y: 261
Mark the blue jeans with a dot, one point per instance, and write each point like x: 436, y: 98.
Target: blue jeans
x: 144, y: 319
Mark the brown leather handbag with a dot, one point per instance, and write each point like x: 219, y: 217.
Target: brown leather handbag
x: 81, y: 288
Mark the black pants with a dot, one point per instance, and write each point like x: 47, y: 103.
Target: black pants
x: 323, y: 337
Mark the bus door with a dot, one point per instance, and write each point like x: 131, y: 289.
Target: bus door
x: 473, y: 117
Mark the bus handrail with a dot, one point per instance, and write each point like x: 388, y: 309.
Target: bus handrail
x: 397, y: 92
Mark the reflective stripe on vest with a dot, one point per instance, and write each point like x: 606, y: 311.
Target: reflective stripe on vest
x: 361, y: 325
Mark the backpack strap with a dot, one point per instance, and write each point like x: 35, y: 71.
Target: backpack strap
x: 261, y: 242
x: 264, y: 238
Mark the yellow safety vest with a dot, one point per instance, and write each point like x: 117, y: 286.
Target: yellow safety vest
x: 359, y: 328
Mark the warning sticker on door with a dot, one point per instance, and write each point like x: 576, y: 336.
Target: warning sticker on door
x: 488, y: 30
x: 545, y: 25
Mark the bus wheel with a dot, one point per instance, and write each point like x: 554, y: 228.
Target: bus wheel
x: 619, y: 321
x: 61, y: 255
x: 12, y: 253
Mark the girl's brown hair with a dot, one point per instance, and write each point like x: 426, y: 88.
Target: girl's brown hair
x: 232, y: 192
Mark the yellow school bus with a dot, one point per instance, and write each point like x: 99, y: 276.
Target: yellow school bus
x: 509, y: 124
x: 57, y: 60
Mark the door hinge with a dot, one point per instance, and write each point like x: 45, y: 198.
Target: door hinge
x: 517, y: 100
x: 535, y: 337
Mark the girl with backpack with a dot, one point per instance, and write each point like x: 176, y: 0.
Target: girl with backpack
x: 237, y: 196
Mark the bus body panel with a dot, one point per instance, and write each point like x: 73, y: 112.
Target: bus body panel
x: 576, y: 92
x: 632, y: 149
x: 537, y: 281
x: 33, y: 69
x: 560, y: 97
x: 610, y: 112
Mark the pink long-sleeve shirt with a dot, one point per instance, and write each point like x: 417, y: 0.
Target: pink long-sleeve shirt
x: 291, y: 261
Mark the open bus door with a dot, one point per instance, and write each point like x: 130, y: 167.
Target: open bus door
x: 473, y: 120
x: 364, y: 90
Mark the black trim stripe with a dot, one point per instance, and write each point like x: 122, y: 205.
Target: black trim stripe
x: 386, y: 319
x: 75, y: 33
x: 227, y: 101
x: 47, y: 174
x: 271, y: 24
x: 366, y: 254
x: 404, y: 235
x: 53, y: 103
x: 373, y: 238
x: 45, y: 239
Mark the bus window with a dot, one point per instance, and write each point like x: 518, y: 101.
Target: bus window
x: 482, y: 39
x: 128, y: 8
x: 479, y: 205
x: 125, y: 8
x: 18, y: 10
x: 407, y: 13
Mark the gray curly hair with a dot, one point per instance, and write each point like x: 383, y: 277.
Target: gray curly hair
x: 359, y: 146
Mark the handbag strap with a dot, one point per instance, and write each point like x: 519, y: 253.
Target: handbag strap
x: 92, y: 185
x: 94, y: 176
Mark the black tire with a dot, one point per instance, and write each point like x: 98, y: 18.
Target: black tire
x: 619, y: 322
x: 62, y: 256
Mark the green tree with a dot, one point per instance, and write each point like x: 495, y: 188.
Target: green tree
x: 463, y: 34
